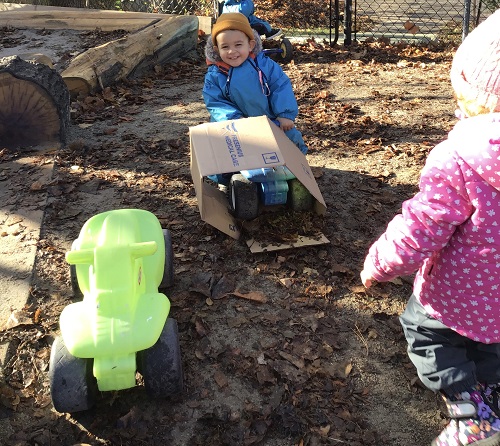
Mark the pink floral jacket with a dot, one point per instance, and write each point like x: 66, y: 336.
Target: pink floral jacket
x: 450, y: 232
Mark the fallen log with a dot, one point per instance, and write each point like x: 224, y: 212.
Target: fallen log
x: 34, y: 104
x: 77, y: 19
x: 160, y: 42
x: 49, y: 17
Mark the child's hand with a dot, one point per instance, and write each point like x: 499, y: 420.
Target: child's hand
x: 286, y: 124
x: 366, y: 279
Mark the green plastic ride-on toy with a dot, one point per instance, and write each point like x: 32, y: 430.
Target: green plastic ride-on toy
x: 121, y: 326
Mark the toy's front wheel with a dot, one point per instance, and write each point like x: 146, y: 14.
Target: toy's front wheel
x: 73, y: 387
x: 286, y: 50
x: 299, y: 198
x: 244, y: 197
x: 168, y: 272
x: 161, y: 365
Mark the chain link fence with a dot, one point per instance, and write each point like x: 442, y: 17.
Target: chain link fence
x: 332, y: 21
x: 421, y: 20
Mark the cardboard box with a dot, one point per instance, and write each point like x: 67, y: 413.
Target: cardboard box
x: 241, y: 144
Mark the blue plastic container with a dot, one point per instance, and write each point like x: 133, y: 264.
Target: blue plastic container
x: 274, y: 192
x: 266, y: 174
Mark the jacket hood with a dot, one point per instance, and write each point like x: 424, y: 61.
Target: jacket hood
x: 477, y: 141
x: 213, y: 56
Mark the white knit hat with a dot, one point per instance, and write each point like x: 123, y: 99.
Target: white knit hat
x: 475, y: 71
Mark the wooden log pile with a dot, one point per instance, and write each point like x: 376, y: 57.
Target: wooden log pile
x: 34, y: 98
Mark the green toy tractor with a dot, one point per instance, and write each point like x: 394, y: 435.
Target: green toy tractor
x: 121, y: 325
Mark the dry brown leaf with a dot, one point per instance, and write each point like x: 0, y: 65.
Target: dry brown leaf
x: 201, y: 327
x: 220, y: 379
x: 348, y: 369
x: 37, y: 186
x: 358, y: 289
x: 287, y: 283
x: 297, y: 362
x: 264, y: 375
x: 233, y: 322
x: 411, y: 27
x: 339, y: 268
x: 253, y: 296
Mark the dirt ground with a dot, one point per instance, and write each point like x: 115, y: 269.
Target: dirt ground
x: 316, y: 359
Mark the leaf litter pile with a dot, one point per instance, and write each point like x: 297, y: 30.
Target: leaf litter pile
x: 283, y: 226
x: 279, y: 349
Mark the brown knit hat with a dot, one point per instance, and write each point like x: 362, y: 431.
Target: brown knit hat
x: 234, y: 21
x: 475, y: 71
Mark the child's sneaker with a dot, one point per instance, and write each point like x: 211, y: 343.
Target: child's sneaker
x: 474, y: 420
x: 275, y: 32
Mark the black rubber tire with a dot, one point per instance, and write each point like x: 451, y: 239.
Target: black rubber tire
x: 161, y: 364
x: 299, y: 198
x: 168, y: 271
x: 73, y: 387
x: 243, y: 197
x: 77, y: 292
x: 287, y: 50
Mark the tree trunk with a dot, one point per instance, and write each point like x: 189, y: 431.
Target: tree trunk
x: 162, y: 41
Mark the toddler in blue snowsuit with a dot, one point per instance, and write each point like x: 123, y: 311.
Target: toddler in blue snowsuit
x: 242, y: 82
x: 247, y: 8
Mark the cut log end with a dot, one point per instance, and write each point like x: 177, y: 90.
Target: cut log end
x: 34, y: 104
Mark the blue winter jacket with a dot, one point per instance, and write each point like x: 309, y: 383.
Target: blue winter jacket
x: 247, y: 8
x: 257, y: 87
x: 244, y: 6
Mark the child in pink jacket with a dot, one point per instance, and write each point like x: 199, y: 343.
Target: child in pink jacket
x: 450, y: 232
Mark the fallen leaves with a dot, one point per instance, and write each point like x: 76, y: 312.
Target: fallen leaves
x: 267, y: 345
x: 254, y: 296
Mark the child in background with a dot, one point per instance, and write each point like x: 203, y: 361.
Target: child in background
x: 247, y: 8
x: 450, y: 232
x: 242, y: 82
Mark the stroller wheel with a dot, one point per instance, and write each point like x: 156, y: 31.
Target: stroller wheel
x: 286, y: 50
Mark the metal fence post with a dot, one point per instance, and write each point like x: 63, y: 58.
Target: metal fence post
x: 336, y: 13
x: 348, y: 22
x: 466, y: 21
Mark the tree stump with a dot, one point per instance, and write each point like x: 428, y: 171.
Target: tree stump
x: 34, y: 104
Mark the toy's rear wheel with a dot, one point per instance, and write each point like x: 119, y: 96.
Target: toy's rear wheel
x: 299, y: 198
x: 73, y: 387
x: 286, y: 50
x: 244, y: 197
x: 77, y: 292
x: 168, y: 271
x: 161, y: 364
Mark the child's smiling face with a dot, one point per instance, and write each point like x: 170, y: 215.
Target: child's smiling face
x: 234, y: 47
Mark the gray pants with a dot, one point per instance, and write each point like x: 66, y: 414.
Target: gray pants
x: 444, y: 359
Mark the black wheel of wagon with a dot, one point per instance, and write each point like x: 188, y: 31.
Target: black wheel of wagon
x: 244, y: 197
x: 287, y: 50
x: 299, y: 198
x: 161, y: 364
x: 168, y: 271
x: 77, y: 292
x: 73, y: 387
